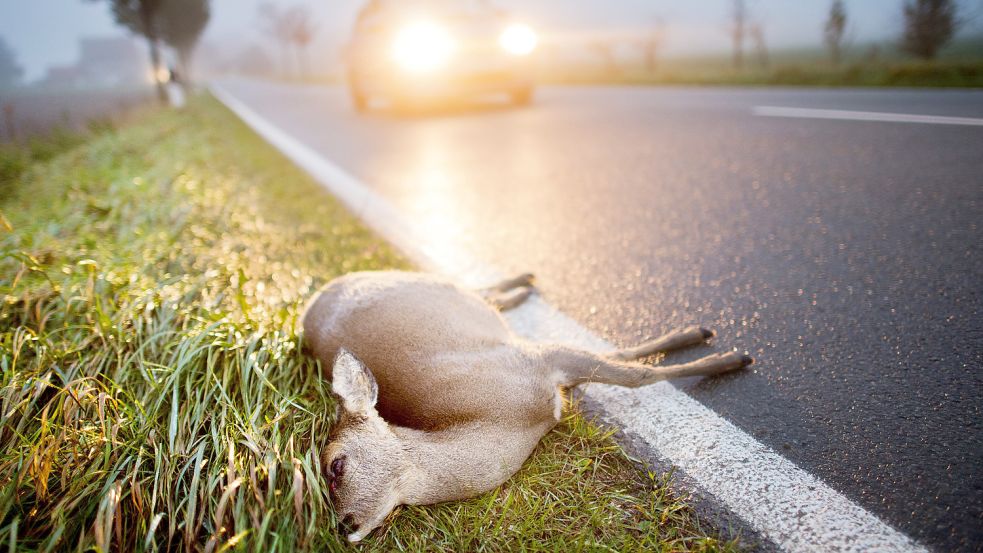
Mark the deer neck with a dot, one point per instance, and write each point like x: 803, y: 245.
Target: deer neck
x: 458, y: 462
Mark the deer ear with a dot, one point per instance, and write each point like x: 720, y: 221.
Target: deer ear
x: 353, y: 382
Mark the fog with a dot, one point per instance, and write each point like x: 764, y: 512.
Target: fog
x: 46, y: 32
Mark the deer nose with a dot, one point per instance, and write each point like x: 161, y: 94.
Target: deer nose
x: 347, y: 525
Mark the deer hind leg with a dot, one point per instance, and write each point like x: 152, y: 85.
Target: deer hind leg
x: 672, y: 341
x: 510, y: 292
x: 580, y: 367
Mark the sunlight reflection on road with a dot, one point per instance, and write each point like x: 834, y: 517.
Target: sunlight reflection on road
x: 433, y: 197
x: 441, y: 191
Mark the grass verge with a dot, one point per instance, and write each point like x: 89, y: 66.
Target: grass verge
x: 18, y: 157
x: 953, y: 74
x: 153, y: 392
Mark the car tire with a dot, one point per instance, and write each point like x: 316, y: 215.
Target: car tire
x: 522, y: 96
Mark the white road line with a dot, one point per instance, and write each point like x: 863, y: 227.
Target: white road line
x: 844, y: 115
x: 786, y: 504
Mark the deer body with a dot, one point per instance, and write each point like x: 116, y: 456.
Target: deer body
x: 441, y: 355
x: 440, y: 400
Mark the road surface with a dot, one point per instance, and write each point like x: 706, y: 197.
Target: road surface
x: 844, y: 254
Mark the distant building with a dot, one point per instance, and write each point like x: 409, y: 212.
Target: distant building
x: 103, y: 63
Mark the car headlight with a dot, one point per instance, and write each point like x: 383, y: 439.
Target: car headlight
x: 518, y: 39
x: 422, y: 46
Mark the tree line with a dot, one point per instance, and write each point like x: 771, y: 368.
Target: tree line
x: 928, y: 26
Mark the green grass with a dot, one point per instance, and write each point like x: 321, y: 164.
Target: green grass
x: 154, y: 395
x: 938, y: 74
x: 16, y: 157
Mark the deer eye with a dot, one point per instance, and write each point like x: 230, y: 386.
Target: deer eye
x: 338, y: 467
x: 335, y: 472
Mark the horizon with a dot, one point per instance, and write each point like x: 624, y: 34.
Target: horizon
x: 41, y: 42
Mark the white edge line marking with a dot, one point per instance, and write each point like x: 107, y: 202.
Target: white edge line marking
x: 786, y: 504
x: 845, y: 115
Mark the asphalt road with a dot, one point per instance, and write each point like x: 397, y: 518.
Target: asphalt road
x: 844, y: 255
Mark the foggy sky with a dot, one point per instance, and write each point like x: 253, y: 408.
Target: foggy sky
x: 46, y: 32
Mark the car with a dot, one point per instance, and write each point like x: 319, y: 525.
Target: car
x: 414, y: 51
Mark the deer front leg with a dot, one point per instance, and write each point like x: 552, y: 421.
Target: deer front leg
x: 509, y: 293
x: 523, y: 280
x: 677, y: 339
x: 508, y: 300
x: 580, y: 367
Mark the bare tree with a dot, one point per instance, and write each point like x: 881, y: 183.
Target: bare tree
x: 834, y: 31
x: 652, y: 44
x: 928, y: 26
x: 757, y: 34
x: 274, y: 24
x: 738, y: 29
x: 302, y: 29
x: 293, y: 29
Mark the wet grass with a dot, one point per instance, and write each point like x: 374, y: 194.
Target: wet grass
x: 153, y: 393
x: 17, y: 157
x: 934, y: 74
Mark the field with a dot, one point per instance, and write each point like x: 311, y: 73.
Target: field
x: 905, y: 74
x: 959, y: 65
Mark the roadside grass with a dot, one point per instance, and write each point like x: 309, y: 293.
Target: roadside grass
x: 18, y: 157
x: 154, y: 395
x: 935, y: 74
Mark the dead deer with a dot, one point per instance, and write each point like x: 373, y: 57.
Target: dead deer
x: 439, y: 399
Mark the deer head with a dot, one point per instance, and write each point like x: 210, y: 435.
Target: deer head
x: 364, y: 460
